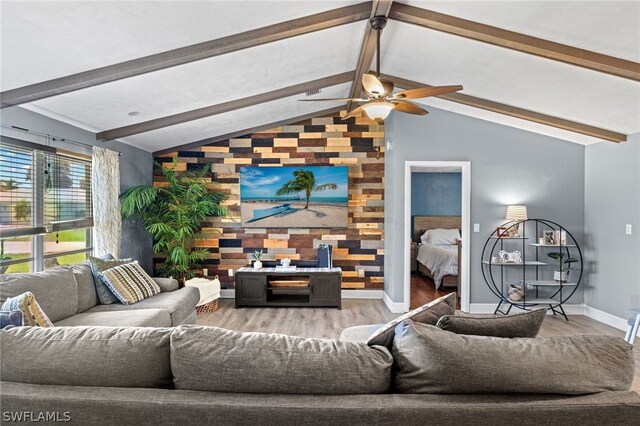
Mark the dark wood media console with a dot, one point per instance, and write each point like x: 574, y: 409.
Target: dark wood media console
x: 303, y: 287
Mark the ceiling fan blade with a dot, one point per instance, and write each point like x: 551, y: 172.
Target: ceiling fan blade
x: 353, y: 112
x: 372, y: 84
x: 408, y: 107
x: 424, y: 92
x: 335, y: 99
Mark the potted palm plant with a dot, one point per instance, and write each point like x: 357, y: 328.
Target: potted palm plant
x: 172, y: 213
x: 561, y: 274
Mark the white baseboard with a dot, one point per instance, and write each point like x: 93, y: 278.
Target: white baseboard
x: 362, y: 294
x: 230, y: 293
x: 489, y: 308
x: 396, y: 308
x: 606, y: 318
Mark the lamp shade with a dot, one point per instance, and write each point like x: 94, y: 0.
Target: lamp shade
x: 516, y: 213
x: 378, y: 110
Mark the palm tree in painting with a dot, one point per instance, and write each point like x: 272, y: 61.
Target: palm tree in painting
x: 304, y: 180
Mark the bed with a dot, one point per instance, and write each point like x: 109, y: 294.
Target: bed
x: 439, y: 262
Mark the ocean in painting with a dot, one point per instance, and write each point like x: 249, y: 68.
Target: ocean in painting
x: 276, y: 196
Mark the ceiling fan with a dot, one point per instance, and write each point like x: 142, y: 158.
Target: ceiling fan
x: 380, y: 99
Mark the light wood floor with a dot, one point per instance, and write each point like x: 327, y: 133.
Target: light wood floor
x: 329, y: 323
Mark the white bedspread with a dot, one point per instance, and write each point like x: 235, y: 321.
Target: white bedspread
x: 441, y: 260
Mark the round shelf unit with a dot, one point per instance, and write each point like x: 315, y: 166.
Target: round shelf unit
x: 517, y: 269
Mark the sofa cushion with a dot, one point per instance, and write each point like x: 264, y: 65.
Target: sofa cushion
x: 87, y: 295
x: 86, y: 356
x: 180, y: 304
x: 214, y: 359
x: 55, y: 290
x: 32, y: 313
x: 130, y: 283
x: 429, y: 313
x: 166, y: 284
x: 526, y: 324
x: 431, y: 360
x: 132, y: 318
x: 98, y: 265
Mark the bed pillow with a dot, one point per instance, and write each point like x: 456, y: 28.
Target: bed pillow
x: 427, y: 314
x: 440, y: 236
x: 526, y: 324
x: 130, y: 283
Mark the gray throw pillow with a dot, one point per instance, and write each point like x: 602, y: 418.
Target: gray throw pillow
x: 218, y: 360
x: 431, y: 360
x: 98, y: 266
x: 429, y: 313
x: 526, y: 324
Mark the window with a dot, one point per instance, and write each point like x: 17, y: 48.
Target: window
x: 45, y: 206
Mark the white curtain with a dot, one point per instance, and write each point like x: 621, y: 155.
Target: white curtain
x: 105, y: 187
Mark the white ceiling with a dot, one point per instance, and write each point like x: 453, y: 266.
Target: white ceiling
x: 44, y: 40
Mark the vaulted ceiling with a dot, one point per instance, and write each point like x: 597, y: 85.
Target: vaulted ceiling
x: 165, y: 74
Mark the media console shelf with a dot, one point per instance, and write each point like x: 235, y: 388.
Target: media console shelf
x: 302, y: 287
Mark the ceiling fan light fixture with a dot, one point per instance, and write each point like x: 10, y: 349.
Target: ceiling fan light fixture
x: 378, y: 111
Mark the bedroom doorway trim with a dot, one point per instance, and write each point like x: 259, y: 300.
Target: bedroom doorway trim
x: 464, y: 167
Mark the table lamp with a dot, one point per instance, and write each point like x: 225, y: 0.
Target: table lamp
x: 516, y: 214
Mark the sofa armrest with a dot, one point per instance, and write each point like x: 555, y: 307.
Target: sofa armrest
x: 166, y: 284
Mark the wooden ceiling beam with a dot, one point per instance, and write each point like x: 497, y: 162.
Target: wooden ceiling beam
x: 517, y: 112
x: 516, y: 41
x: 196, y: 114
x: 184, y: 55
x: 368, y: 48
x: 250, y: 130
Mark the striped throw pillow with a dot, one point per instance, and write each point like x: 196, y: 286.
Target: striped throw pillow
x: 99, y: 265
x: 33, y: 314
x: 130, y: 283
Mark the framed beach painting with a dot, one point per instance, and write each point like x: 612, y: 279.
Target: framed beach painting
x: 294, y: 197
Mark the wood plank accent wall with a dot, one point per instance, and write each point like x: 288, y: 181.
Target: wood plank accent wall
x: 325, y: 141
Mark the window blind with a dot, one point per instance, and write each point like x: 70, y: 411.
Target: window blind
x: 42, y: 189
x: 67, y: 192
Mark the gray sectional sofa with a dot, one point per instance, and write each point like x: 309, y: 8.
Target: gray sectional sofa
x: 67, y: 294
x: 210, y: 376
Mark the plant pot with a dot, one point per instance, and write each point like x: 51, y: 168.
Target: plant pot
x: 257, y: 264
x: 561, y: 276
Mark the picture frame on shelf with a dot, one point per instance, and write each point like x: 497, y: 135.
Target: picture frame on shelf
x: 549, y: 237
x: 502, y: 232
x: 560, y: 237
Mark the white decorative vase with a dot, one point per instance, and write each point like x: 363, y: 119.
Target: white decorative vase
x: 257, y: 264
x: 561, y: 277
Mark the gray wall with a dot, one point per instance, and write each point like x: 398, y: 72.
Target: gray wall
x: 436, y: 194
x: 508, y: 166
x: 612, y: 200
x: 136, y: 167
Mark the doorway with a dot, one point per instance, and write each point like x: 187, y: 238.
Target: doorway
x: 464, y: 168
